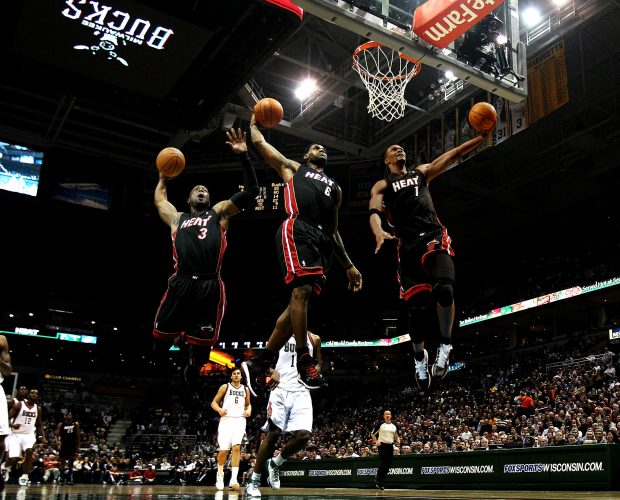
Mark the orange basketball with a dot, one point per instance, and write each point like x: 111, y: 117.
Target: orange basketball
x: 482, y: 116
x: 268, y: 112
x: 170, y: 162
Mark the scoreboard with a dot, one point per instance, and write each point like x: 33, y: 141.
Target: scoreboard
x: 270, y: 197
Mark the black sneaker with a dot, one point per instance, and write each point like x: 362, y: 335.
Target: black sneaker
x: 253, y: 378
x: 379, y: 486
x: 308, y: 375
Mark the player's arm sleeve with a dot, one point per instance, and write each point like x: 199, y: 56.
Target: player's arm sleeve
x: 243, y: 198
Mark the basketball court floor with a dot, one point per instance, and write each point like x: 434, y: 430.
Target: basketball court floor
x: 95, y: 492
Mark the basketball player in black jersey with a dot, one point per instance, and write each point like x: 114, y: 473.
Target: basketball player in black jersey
x: 67, y: 437
x: 192, y: 308
x: 425, y: 266
x: 305, y: 243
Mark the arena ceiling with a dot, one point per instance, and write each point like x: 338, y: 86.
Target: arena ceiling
x: 256, y: 48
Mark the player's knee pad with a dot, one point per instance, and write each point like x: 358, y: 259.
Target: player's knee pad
x: 444, y: 293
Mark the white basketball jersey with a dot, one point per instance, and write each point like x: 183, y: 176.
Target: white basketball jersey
x: 27, y: 418
x: 287, y: 365
x: 234, y: 400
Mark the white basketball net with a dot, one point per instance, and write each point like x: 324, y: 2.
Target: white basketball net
x: 385, y: 74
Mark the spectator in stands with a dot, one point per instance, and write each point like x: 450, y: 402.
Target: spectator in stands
x: 599, y: 436
x: 135, y: 476
x: 37, y: 472
x: 150, y: 474
x: 51, y: 466
x: 526, y: 403
x: 426, y: 448
x: 542, y: 442
x: 116, y: 475
x: 87, y: 474
x: 558, y: 439
x: 589, y: 437
x: 575, y: 429
x: 76, y: 469
x: 571, y: 439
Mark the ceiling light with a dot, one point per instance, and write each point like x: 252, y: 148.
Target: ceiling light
x: 306, y: 89
x: 531, y: 16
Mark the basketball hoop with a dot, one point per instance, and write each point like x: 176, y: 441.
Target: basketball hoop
x: 385, y: 74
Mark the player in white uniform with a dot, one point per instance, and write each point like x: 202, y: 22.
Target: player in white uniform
x: 232, y: 402
x: 289, y: 410
x: 26, y: 419
x: 5, y: 370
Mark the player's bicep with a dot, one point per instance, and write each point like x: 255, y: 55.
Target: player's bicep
x: 167, y: 213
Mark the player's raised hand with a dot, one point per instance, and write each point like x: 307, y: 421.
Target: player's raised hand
x: 236, y: 141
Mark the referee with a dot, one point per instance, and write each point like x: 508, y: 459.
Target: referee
x: 385, y: 437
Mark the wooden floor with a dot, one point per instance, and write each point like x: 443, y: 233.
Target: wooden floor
x: 94, y: 492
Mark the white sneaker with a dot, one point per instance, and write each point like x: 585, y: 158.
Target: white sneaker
x: 274, y: 474
x: 252, y: 490
x: 219, y: 482
x: 442, y: 361
x: 422, y: 376
x: 23, y: 480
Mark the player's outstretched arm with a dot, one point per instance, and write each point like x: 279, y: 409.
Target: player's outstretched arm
x: 242, y: 199
x: 166, y: 210
x: 283, y: 166
x: 441, y: 163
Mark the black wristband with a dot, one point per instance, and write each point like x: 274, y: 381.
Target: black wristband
x: 374, y: 211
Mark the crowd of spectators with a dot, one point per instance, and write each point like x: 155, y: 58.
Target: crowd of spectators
x: 559, y: 394
x: 507, y: 403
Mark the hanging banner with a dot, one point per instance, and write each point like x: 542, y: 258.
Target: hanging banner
x: 440, y: 22
x: 547, y: 82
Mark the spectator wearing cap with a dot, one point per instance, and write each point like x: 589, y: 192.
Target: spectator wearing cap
x: 150, y: 474
x: 135, y: 476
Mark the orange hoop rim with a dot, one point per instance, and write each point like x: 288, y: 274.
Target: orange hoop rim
x: 372, y: 45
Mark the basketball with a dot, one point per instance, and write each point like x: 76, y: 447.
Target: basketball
x: 482, y: 116
x: 268, y: 112
x: 170, y: 162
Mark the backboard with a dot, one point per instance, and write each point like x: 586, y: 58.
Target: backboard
x: 498, y: 68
